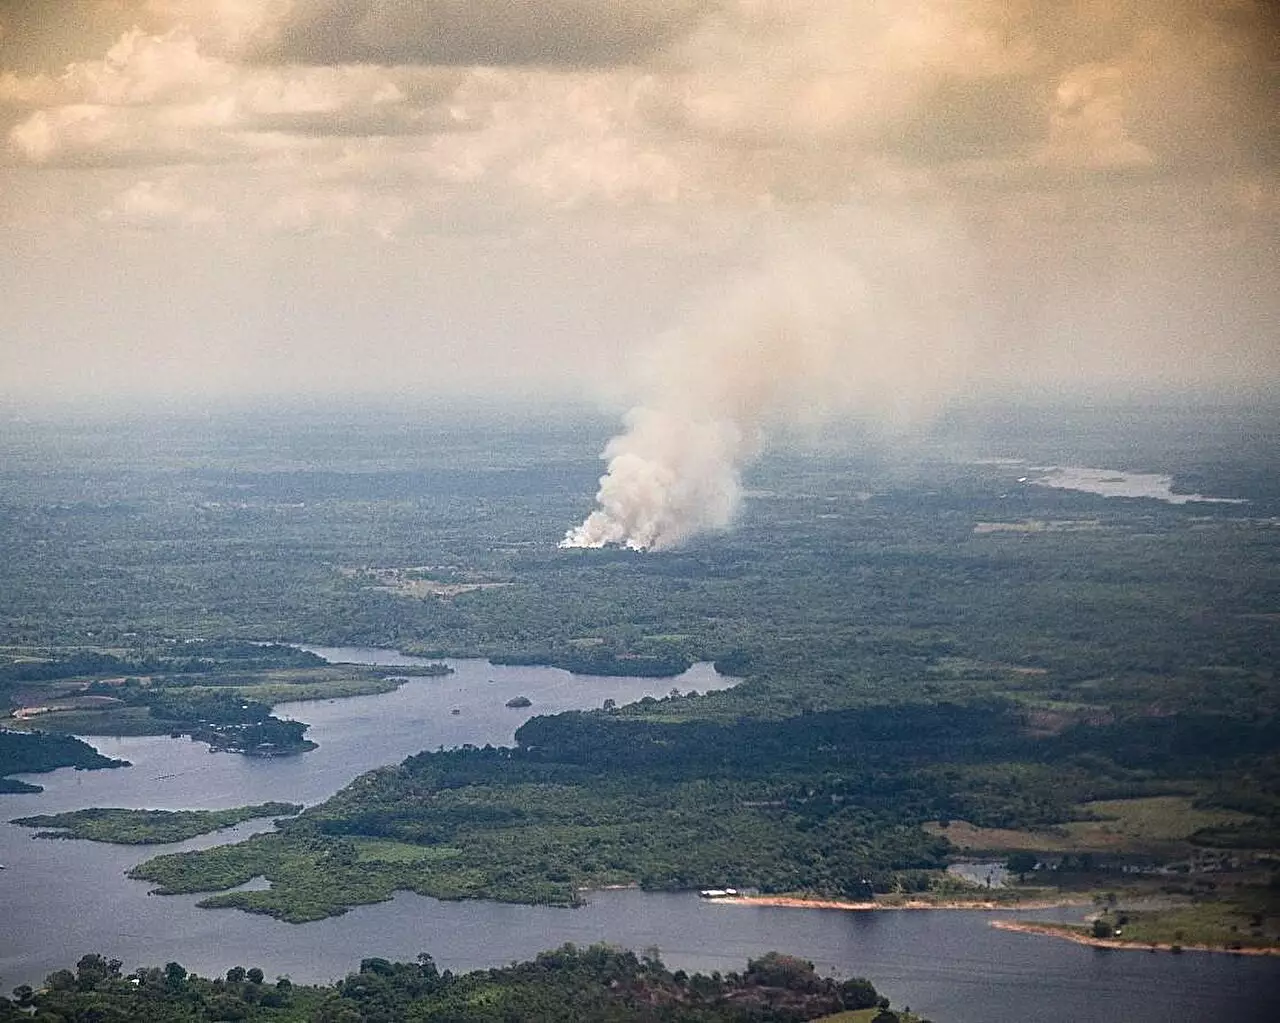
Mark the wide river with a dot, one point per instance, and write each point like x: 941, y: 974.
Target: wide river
x: 60, y: 899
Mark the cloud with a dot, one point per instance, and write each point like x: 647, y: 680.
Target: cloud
x: 534, y: 33
x: 747, y: 100
x: 160, y: 99
x: 335, y: 210
x: 1113, y: 165
x: 1088, y: 125
x: 156, y: 203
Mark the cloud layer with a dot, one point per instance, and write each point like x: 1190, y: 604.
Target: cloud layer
x: 1113, y: 165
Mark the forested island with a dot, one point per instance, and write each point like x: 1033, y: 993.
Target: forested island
x: 147, y: 827
x: 568, y: 985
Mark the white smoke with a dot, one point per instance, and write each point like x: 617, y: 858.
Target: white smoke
x: 669, y: 477
x: 797, y: 343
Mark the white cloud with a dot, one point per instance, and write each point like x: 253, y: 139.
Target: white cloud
x: 1087, y: 126
x: 157, y: 203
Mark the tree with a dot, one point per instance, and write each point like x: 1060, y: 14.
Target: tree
x: 1102, y: 928
x: 60, y: 980
x: 93, y: 969
x: 859, y: 993
x: 1021, y: 863
x: 226, y: 1008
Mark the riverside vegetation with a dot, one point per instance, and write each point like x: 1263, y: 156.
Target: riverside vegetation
x: 21, y: 753
x: 212, y: 691
x: 931, y: 647
x: 562, y: 986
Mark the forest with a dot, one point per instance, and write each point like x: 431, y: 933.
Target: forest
x: 566, y: 985
x: 924, y: 634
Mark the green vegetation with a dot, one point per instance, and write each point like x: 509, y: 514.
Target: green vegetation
x: 596, y: 660
x: 1208, y: 919
x: 31, y: 753
x: 1169, y: 827
x: 817, y: 803
x: 922, y: 639
x: 873, y: 1015
x: 148, y: 827
x: 124, y: 706
x: 1235, y: 920
x: 568, y: 985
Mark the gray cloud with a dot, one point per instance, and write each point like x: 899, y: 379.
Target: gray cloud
x: 541, y: 33
x: 964, y: 119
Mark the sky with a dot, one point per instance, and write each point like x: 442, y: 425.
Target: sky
x: 877, y: 205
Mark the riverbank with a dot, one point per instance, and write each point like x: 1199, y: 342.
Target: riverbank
x: 1081, y: 938
x: 802, y: 902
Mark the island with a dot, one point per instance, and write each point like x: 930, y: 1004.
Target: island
x: 566, y: 985
x: 147, y: 827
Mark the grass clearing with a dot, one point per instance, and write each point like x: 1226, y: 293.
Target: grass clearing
x: 1155, y: 820
x: 1213, y: 923
x: 108, y: 721
x: 1152, y: 824
x: 381, y: 850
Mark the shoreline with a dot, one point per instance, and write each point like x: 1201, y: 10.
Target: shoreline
x: 800, y: 902
x: 1051, y: 931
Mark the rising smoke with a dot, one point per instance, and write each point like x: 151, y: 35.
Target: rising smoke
x: 804, y: 340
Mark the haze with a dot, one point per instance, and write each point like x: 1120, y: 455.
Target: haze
x: 205, y: 198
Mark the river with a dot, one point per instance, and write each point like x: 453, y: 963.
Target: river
x: 64, y: 898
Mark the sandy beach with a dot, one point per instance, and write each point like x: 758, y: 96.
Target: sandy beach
x: 800, y: 902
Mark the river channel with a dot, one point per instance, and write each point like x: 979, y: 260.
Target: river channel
x: 60, y: 899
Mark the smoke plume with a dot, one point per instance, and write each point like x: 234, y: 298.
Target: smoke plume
x: 795, y: 344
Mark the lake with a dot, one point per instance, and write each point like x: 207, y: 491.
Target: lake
x: 62, y: 898
x: 1117, y: 483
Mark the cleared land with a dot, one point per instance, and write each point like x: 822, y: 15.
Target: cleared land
x: 1153, y: 825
